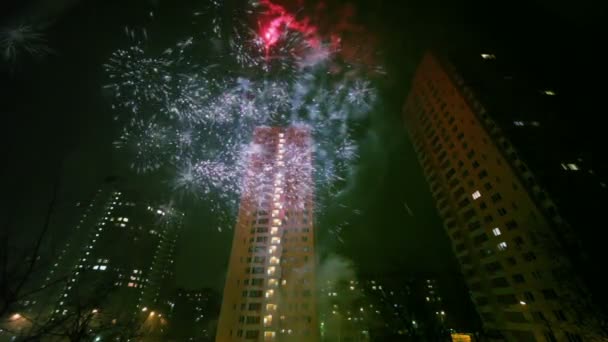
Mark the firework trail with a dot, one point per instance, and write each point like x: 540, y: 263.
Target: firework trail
x: 196, y: 121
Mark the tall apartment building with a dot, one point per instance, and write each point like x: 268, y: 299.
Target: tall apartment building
x: 269, y: 294
x: 506, y: 231
x: 119, y: 260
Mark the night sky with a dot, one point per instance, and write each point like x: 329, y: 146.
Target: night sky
x: 58, y: 122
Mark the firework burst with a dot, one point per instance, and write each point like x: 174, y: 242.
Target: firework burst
x: 199, y: 120
x: 23, y: 40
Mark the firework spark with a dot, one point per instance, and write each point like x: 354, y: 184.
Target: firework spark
x: 199, y: 120
x: 23, y: 40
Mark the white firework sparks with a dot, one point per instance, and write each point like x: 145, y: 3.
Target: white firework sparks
x: 23, y: 40
x: 209, y: 114
x: 148, y: 143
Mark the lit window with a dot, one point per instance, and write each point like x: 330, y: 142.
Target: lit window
x: 131, y: 284
x: 476, y: 195
x: 96, y: 267
x: 268, y: 320
x: 549, y: 92
x: 103, y: 267
x: 496, y: 231
x: 488, y: 56
x: 573, y: 167
x: 126, y: 219
x: 502, y: 246
x: 271, y: 307
x: 269, y: 335
x: 519, y: 123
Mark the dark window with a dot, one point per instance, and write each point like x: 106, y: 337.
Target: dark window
x: 529, y: 256
x: 529, y: 296
x: 470, y: 154
x: 481, y: 301
x: 500, y: 282
x: 459, y: 192
x: 507, y: 299
x: 263, y: 221
x: 502, y: 211
x: 475, y: 164
x: 493, y: 266
x: 488, y: 219
x: 549, y: 294
x: 442, y: 156
x: 518, y: 278
x: 474, y: 225
x: 259, y: 259
x: 511, y: 261
x: 496, y: 197
x: 252, y: 334
x: 550, y: 337
x: 262, y: 229
x: 257, y: 282
x: 257, y: 270
x: 256, y: 293
x: 560, y: 315
x: 518, y: 240
x: 483, y: 174
x: 239, y: 333
x: 538, y: 316
x: 253, y: 320
x: 516, y: 317
x: 511, y: 224
x: 464, y: 203
x: 255, y: 306
x: 488, y: 186
x: 483, y: 205
x: 480, y: 239
x: 488, y: 317
x: 469, y: 214
x: 450, y: 173
x: 572, y: 337
x: 460, y: 136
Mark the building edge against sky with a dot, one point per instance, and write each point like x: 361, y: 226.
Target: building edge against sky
x: 506, y: 232
x: 269, y: 293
